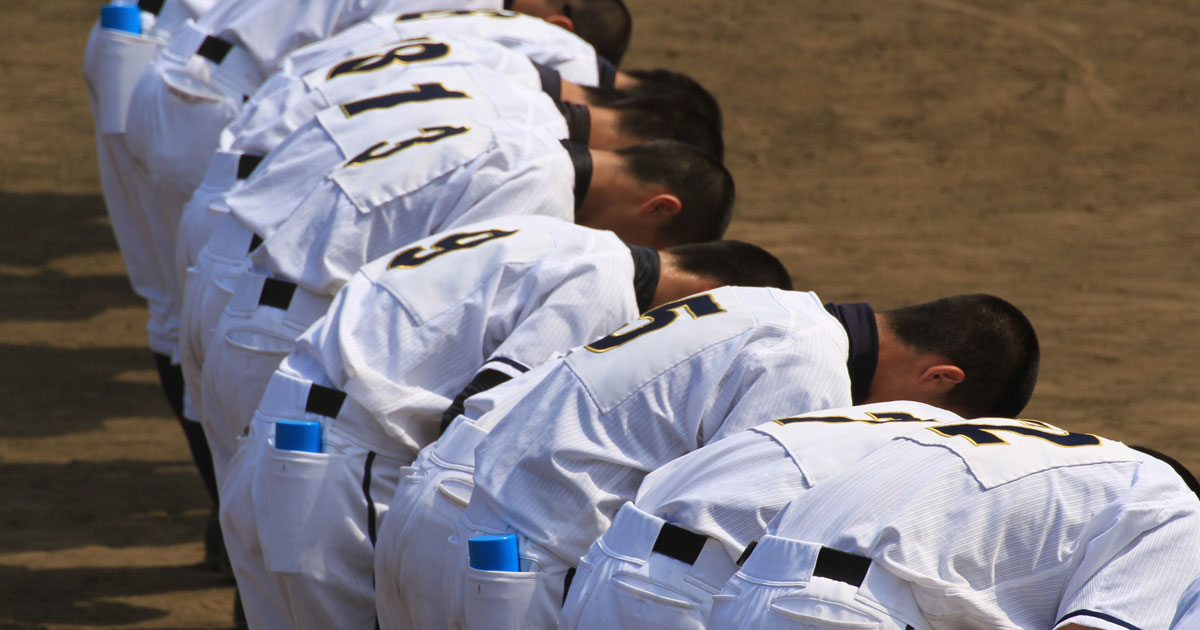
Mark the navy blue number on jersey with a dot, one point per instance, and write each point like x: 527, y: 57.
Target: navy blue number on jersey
x: 981, y: 434
x: 424, y: 92
x: 696, y: 306
x: 429, y: 135
x: 410, y: 51
x: 419, y: 255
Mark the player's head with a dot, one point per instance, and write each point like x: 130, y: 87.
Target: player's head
x: 620, y: 118
x: 696, y: 267
x: 976, y: 355
x: 670, y: 84
x: 605, y: 24
x: 660, y: 194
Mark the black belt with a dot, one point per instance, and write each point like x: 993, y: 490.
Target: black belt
x: 277, y: 294
x: 325, y: 401
x: 679, y: 543
x: 214, y: 49
x: 246, y: 164
x: 831, y: 564
x: 151, y: 6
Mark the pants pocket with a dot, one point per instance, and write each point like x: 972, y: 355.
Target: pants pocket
x: 643, y: 603
x: 508, y: 599
x: 803, y: 613
x: 290, y: 494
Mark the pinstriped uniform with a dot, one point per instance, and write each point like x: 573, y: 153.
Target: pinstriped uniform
x: 390, y: 187
x: 606, y: 418
x: 1020, y: 525
x: 401, y: 339
x: 728, y: 491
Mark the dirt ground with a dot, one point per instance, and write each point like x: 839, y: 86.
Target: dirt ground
x: 891, y: 152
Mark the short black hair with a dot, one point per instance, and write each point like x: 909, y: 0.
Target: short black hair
x: 605, y: 24
x: 668, y: 83
x: 989, y: 339
x: 732, y: 263
x: 656, y: 117
x: 704, y: 186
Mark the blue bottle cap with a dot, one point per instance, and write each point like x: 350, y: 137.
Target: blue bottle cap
x: 494, y: 552
x: 298, y: 435
x: 122, y: 17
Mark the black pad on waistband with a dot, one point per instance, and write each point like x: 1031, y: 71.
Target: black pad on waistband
x: 324, y: 401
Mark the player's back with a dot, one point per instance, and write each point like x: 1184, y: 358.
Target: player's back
x: 685, y: 374
x: 1003, y: 523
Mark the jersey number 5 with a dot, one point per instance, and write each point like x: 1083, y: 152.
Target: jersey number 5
x: 696, y: 306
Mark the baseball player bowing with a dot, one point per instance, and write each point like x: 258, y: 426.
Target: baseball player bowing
x: 688, y: 374
x: 395, y: 95
x: 658, y: 194
x: 267, y: 120
x: 987, y: 523
x: 212, y: 65
x: 403, y: 337
x: 353, y: 63
x: 667, y: 553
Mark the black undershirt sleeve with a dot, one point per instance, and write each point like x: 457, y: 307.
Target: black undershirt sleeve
x: 483, y: 381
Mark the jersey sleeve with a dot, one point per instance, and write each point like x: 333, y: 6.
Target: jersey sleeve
x: 1139, y: 559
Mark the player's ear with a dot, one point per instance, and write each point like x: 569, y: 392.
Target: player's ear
x: 561, y: 20
x: 662, y: 206
x: 942, y: 376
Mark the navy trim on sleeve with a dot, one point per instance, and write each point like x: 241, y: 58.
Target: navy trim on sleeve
x: 509, y: 362
x: 1097, y: 615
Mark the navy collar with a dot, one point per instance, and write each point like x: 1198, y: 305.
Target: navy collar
x: 579, y: 122
x: 859, y: 321
x: 647, y: 265
x: 551, y: 81
x: 608, y: 72
x: 581, y: 157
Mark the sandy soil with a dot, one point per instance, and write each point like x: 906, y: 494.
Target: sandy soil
x: 889, y: 151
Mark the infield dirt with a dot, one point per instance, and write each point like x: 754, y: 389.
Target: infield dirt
x: 889, y: 152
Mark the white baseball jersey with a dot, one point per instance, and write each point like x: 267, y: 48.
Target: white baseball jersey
x: 270, y: 29
x: 687, y: 374
x: 732, y: 489
x: 1001, y: 523
x: 198, y: 83
x: 412, y: 328
x: 532, y: 37
x: 287, y: 102
x: 395, y: 179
